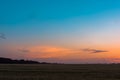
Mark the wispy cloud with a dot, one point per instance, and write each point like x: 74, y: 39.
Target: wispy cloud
x: 94, y: 50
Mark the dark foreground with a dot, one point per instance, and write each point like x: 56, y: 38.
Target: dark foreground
x: 59, y: 72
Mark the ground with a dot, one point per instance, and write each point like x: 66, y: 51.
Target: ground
x: 59, y: 72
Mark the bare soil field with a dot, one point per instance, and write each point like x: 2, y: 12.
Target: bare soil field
x: 59, y: 72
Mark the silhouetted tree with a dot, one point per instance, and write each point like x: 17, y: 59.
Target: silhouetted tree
x: 22, y: 61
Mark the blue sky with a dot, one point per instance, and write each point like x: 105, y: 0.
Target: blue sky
x: 26, y: 15
x: 18, y: 12
x: 63, y: 23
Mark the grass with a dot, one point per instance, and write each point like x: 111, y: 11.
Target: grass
x: 59, y: 72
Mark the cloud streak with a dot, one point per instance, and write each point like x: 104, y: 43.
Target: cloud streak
x: 94, y: 50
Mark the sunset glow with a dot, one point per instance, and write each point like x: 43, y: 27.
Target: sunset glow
x: 66, y: 31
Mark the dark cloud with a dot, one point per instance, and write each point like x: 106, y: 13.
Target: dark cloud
x: 99, y: 51
x: 94, y: 50
x: 2, y: 36
x: 24, y: 50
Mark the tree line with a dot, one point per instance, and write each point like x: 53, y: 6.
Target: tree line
x: 22, y: 61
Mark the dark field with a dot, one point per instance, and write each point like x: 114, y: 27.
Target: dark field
x: 59, y: 72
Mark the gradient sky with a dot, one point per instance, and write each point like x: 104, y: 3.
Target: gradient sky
x: 66, y: 31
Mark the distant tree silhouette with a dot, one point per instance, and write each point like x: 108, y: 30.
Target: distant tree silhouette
x: 22, y: 61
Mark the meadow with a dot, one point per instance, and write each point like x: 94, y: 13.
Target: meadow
x: 59, y: 72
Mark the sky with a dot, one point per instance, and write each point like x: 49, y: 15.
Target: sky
x: 63, y: 31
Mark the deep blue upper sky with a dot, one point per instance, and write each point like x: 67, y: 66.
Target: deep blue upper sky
x: 21, y: 11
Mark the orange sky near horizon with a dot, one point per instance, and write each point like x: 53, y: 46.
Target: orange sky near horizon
x: 65, y: 53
